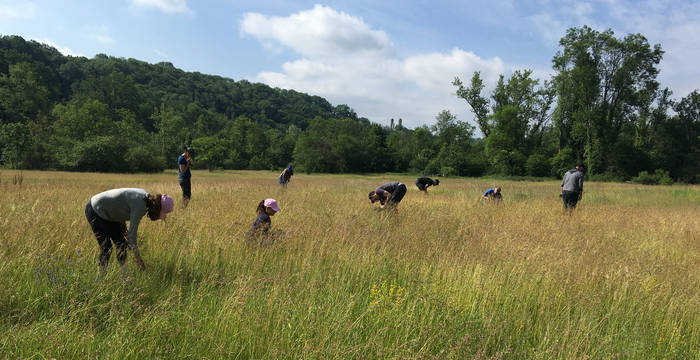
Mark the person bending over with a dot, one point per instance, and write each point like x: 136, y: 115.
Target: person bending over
x: 423, y: 183
x: 493, y: 194
x: 389, y: 194
x: 260, y: 230
x: 107, y: 213
x: 285, y: 176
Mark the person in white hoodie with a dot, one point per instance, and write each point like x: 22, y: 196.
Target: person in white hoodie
x: 107, y: 213
x: 572, y: 186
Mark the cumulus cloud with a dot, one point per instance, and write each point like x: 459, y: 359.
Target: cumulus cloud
x: 62, y: 49
x: 166, y: 6
x: 347, y: 61
x: 319, y: 32
x: 17, y: 10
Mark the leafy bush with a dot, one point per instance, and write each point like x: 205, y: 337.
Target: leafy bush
x: 659, y: 177
x: 537, y: 165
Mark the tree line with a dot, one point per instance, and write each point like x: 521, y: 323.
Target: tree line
x: 603, y: 106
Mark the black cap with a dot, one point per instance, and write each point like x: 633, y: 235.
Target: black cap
x: 581, y: 165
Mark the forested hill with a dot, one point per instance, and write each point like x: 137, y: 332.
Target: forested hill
x: 83, y: 108
x: 603, y: 106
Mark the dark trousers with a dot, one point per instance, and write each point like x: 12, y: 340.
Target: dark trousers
x: 570, y: 199
x: 398, y: 194
x: 420, y: 186
x: 107, y: 232
x: 186, y: 187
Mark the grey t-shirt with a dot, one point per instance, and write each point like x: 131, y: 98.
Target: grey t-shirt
x: 120, y: 205
x: 389, y: 187
x: 572, y: 181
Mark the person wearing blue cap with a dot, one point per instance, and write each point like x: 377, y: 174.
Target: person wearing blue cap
x: 572, y: 186
x: 285, y: 176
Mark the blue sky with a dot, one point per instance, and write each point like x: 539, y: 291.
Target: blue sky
x: 385, y: 59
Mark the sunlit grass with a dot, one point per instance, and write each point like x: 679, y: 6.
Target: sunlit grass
x: 443, y: 277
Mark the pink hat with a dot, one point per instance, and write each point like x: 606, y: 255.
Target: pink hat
x: 272, y: 203
x: 166, y: 205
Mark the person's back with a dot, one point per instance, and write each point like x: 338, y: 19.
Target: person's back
x: 572, y: 186
x: 573, y: 181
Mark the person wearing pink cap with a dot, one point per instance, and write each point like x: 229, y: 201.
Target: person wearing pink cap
x: 107, y: 213
x: 261, y: 225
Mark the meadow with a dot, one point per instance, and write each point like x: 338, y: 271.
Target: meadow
x: 444, y: 277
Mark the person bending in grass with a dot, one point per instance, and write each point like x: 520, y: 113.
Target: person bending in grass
x: 388, y: 195
x: 285, y: 176
x: 260, y: 230
x: 107, y: 213
x: 423, y: 183
x: 493, y: 194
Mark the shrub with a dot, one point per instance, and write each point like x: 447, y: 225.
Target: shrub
x: 659, y: 177
x: 537, y: 165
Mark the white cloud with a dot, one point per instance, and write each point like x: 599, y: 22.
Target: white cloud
x: 161, y: 54
x: 346, y: 61
x: 319, y: 32
x: 61, y: 49
x: 17, y: 10
x: 166, y: 6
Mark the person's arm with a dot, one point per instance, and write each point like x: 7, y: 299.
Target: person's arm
x: 133, y: 230
x: 387, y: 197
x: 184, y: 167
x: 580, y: 187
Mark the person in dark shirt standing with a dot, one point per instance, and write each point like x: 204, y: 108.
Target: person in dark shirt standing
x: 572, y: 186
x: 261, y: 226
x: 423, y: 183
x: 389, y: 194
x: 184, y: 162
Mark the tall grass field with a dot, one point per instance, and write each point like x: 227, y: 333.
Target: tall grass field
x: 443, y: 277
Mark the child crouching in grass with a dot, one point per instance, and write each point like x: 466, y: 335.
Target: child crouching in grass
x: 260, y: 230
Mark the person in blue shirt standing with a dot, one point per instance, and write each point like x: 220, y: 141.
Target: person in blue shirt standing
x: 184, y: 162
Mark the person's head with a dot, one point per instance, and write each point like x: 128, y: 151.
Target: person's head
x: 268, y: 206
x: 158, y: 206
x: 187, y: 151
x: 437, y: 182
x: 497, y: 190
x: 581, y: 166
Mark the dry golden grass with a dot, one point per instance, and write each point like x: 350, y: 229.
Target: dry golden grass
x: 443, y: 277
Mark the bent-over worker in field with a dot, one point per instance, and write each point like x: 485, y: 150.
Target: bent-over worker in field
x: 572, y: 186
x: 423, y: 183
x: 184, y: 162
x: 285, y: 176
x: 107, y: 213
x: 389, y: 194
x: 260, y: 230
x: 493, y: 194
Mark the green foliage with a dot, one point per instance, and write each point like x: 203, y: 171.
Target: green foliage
x: 538, y: 165
x: 125, y: 115
x: 659, y: 177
